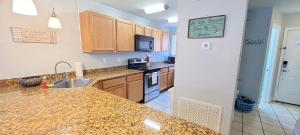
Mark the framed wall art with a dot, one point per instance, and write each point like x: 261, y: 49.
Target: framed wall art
x: 207, y: 27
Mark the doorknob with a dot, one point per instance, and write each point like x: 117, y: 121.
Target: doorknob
x: 284, y: 70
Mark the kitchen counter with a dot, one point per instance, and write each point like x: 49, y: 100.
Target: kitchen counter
x: 85, y: 110
x: 157, y: 65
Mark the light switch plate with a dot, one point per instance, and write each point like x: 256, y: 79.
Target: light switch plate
x: 206, y: 45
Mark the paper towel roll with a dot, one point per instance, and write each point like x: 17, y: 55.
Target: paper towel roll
x: 78, y: 70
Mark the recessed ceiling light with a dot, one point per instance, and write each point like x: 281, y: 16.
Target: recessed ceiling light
x: 173, y: 19
x: 155, y: 8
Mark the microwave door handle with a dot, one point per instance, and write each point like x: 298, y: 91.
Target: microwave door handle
x: 150, y: 45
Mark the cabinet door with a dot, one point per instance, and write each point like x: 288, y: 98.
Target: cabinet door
x: 165, y: 41
x: 171, y: 79
x: 135, y: 90
x: 163, y: 81
x: 103, y: 33
x: 157, y: 34
x: 125, y: 36
x: 148, y: 32
x: 139, y: 30
x: 118, y: 90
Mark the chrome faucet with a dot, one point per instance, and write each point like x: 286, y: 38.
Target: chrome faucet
x: 65, y: 74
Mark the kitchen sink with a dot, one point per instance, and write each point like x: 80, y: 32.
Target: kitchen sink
x: 72, y: 83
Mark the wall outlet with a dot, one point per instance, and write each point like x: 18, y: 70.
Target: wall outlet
x: 104, y: 60
x: 206, y: 45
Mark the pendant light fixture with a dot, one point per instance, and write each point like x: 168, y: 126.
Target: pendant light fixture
x: 54, y: 21
x: 24, y: 7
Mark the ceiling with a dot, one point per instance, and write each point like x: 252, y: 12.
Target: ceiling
x: 283, y: 6
x: 136, y: 7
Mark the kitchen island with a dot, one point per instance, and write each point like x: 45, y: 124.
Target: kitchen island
x: 85, y: 110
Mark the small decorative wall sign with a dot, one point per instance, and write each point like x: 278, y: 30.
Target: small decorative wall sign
x: 28, y: 35
x: 254, y: 42
x: 207, y: 27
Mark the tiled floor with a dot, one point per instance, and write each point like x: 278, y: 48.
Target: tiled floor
x: 270, y: 119
x: 161, y: 103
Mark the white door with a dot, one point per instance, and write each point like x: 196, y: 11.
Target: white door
x: 289, y: 80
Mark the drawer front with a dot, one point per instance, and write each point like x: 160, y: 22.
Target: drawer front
x: 135, y: 77
x: 171, y: 69
x: 114, y: 82
x: 164, y: 70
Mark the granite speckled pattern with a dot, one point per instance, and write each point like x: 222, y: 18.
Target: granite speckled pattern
x: 155, y: 65
x: 100, y: 76
x: 85, y: 110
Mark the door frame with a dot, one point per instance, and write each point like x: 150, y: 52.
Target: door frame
x: 275, y: 66
x: 281, y: 58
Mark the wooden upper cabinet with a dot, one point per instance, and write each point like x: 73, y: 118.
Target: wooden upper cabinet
x: 157, y: 34
x: 125, y: 36
x: 148, y: 32
x: 165, y: 42
x: 139, y: 30
x: 98, y: 32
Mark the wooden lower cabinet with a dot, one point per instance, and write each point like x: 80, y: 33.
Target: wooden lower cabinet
x: 130, y: 87
x: 166, y: 78
x: 118, y: 90
x: 163, y: 81
x: 171, y: 79
x: 135, y: 90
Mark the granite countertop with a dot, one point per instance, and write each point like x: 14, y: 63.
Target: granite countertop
x: 85, y: 110
x: 157, y: 65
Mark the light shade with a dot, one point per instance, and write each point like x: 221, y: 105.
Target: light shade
x: 24, y: 7
x: 173, y: 19
x: 54, y: 22
x: 155, y: 8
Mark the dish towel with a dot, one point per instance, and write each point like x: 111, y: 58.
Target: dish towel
x: 154, y: 78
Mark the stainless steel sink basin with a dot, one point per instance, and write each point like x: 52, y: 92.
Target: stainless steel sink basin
x: 73, y: 83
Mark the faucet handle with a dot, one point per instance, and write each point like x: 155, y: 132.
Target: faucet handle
x: 66, y: 76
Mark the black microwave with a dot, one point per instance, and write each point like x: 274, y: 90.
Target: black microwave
x: 144, y: 43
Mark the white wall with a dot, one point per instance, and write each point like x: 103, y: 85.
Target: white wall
x: 19, y: 59
x: 210, y: 75
x: 292, y: 20
x: 253, y: 55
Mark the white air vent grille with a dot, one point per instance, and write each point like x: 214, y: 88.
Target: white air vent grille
x: 203, y: 114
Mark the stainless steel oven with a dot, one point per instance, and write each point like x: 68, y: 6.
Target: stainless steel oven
x: 151, y: 85
x: 151, y: 78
